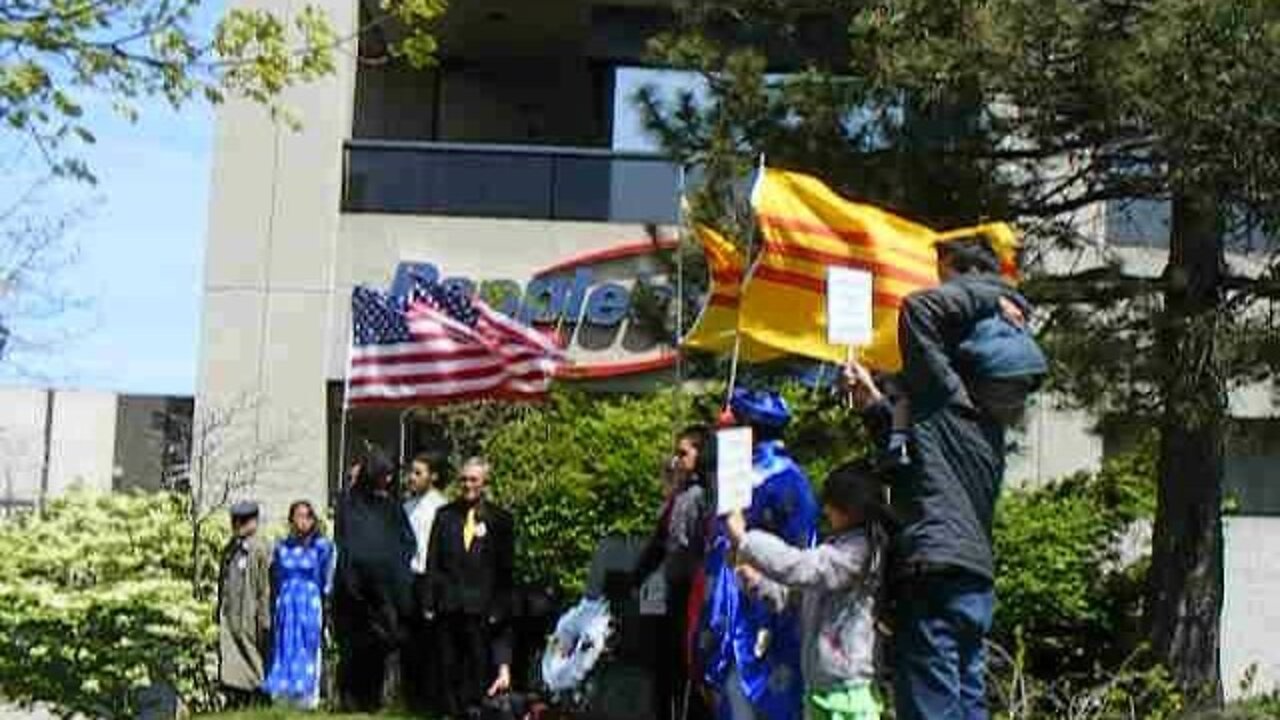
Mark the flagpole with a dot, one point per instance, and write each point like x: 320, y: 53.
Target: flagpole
x: 682, y: 219
x: 346, y: 407
x: 746, y: 278
x: 677, y: 399
x: 330, y: 323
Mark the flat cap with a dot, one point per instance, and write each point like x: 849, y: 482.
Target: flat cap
x: 244, y: 509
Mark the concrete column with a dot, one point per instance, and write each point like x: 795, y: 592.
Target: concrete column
x: 270, y: 264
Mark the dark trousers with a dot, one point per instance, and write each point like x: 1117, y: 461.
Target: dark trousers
x: 673, y: 674
x: 362, y: 665
x: 367, y: 627
x: 942, y: 621
x: 467, y: 667
x: 420, y: 659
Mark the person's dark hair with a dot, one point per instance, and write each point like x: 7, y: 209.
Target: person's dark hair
x: 437, y: 462
x: 240, y: 521
x: 317, y: 528
x: 969, y: 255
x: 376, y: 469
x: 698, y: 436
x: 856, y: 486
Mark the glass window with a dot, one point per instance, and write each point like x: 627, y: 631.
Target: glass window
x: 1253, y: 467
x: 509, y: 182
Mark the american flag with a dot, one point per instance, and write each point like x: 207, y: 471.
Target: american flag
x: 439, y: 345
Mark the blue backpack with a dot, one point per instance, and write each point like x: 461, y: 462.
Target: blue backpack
x: 1002, y: 365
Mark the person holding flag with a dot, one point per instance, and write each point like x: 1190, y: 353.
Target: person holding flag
x: 968, y: 367
x: 751, y: 653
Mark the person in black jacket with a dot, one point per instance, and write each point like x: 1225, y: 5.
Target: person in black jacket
x: 372, y: 587
x: 943, y: 565
x: 470, y: 565
x: 678, y: 547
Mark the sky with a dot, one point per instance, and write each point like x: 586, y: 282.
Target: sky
x: 140, y: 250
x: 140, y: 242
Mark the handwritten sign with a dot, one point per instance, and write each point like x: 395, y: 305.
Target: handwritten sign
x: 733, y: 470
x: 849, y: 304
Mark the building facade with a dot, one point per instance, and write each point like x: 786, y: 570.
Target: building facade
x: 53, y: 441
x: 517, y: 164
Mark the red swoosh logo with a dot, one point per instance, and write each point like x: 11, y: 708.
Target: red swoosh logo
x: 613, y: 368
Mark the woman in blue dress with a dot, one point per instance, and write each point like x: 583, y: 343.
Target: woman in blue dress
x: 302, y: 574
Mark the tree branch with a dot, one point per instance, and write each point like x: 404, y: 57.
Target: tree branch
x: 1096, y: 286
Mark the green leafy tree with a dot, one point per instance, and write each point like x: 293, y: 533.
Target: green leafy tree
x: 577, y: 470
x: 58, y: 57
x: 96, y: 603
x: 953, y: 111
x: 59, y: 53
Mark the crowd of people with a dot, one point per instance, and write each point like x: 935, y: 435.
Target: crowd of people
x: 900, y: 592
x: 764, y: 619
x: 418, y: 591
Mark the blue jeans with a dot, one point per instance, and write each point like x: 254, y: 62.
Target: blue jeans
x: 939, y: 660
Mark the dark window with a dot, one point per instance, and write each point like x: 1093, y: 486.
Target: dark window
x: 1253, y: 467
x: 1251, y: 482
x: 497, y: 181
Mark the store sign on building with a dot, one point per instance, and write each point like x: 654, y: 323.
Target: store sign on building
x: 591, y: 298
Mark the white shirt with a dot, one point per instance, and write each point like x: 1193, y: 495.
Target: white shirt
x: 422, y: 514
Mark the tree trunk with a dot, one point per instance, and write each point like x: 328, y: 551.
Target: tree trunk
x: 196, y: 559
x: 1185, y: 586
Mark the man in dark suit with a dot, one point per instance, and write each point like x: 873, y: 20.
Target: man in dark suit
x: 470, y: 566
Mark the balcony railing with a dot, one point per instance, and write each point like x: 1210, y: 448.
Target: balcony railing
x: 551, y: 183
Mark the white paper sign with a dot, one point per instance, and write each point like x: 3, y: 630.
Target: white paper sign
x: 848, y: 306
x: 733, y: 470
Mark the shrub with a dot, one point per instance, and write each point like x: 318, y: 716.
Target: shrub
x: 576, y: 470
x: 1131, y: 690
x: 1068, y: 588
x: 96, y: 601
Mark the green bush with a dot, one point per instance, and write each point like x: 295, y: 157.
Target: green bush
x: 1066, y: 591
x: 96, y: 601
x: 576, y: 470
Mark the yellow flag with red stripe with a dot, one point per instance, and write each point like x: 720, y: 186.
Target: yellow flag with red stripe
x: 717, y: 326
x: 806, y: 228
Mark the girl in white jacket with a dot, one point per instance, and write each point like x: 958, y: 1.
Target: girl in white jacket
x: 836, y: 584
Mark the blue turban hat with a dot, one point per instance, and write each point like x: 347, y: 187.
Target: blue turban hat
x: 762, y: 408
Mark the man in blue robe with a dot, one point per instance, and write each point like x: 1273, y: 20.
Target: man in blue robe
x: 750, y: 655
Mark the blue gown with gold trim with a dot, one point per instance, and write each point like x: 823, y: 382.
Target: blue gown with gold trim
x: 738, y: 630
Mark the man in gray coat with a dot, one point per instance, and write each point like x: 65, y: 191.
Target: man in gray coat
x: 244, y: 609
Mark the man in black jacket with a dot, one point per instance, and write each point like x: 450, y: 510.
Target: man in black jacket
x: 372, y: 586
x: 470, y: 565
x: 943, y: 569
